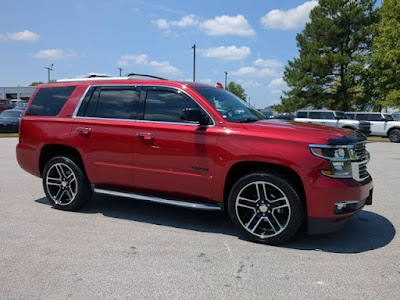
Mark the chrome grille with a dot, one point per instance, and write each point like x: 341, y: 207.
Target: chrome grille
x: 365, y: 125
x: 360, y: 151
x: 363, y: 173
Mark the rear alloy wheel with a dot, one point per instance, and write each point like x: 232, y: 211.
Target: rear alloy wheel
x: 266, y: 208
x: 65, y: 185
x: 394, y: 136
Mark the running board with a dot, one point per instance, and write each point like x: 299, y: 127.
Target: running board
x: 187, y: 204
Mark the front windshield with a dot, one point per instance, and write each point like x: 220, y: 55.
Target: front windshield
x: 389, y: 118
x: 10, y: 114
x: 232, y: 108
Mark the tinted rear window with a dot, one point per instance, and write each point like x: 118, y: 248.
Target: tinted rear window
x: 50, y: 101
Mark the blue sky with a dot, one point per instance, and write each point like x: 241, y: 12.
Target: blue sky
x: 251, y: 40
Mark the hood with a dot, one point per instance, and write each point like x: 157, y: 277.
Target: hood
x: 311, y: 133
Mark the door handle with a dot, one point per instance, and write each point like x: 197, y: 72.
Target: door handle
x: 146, y: 135
x: 84, y: 130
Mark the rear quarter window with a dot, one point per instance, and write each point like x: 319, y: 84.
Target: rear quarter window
x: 50, y: 101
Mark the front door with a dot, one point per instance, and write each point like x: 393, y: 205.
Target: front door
x: 172, y: 155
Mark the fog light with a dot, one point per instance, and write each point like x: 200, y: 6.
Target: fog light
x: 340, y: 206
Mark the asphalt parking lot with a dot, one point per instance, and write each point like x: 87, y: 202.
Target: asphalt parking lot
x: 124, y: 249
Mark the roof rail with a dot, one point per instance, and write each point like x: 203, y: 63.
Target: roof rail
x: 97, y: 75
x: 144, y: 75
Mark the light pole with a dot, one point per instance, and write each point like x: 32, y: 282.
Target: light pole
x: 226, y: 79
x: 49, y: 69
x: 194, y: 62
x: 120, y: 71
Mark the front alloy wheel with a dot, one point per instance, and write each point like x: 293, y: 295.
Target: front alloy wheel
x: 266, y: 208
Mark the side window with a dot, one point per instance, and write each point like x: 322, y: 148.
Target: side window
x: 301, y: 114
x: 109, y: 103
x: 328, y: 115
x: 50, y: 101
x: 115, y: 104
x: 350, y: 116
x: 375, y: 117
x: 166, y: 106
x: 362, y: 117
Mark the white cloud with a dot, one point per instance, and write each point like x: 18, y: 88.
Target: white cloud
x: 222, y: 25
x: 249, y: 83
x: 186, y: 21
x: 277, y: 85
x: 164, y: 67
x: 227, y: 53
x: 290, y: 19
x: 267, y: 63
x: 54, y: 54
x: 255, y: 73
x: 162, y: 23
x: 278, y: 82
x: 160, y: 67
x: 23, y: 36
x: 136, y: 59
x: 227, y: 25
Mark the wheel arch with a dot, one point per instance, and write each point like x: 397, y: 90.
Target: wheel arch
x: 240, y: 169
x: 52, y: 150
x: 349, y: 127
x: 391, y: 129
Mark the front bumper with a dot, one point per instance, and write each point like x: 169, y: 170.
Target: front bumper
x: 331, y: 201
x: 344, y: 210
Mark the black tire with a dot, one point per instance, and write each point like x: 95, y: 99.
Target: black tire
x: 257, y: 216
x: 65, y: 184
x: 394, y: 135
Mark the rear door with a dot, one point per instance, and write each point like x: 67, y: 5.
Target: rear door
x: 172, y: 155
x: 103, y: 133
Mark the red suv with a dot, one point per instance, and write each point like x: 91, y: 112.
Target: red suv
x: 192, y: 145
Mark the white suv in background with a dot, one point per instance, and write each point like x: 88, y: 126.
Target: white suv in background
x: 332, y: 118
x: 381, y: 124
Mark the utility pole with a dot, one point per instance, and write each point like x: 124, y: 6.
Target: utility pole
x: 226, y: 79
x: 120, y: 71
x: 194, y: 62
x: 249, y: 100
x: 49, y: 69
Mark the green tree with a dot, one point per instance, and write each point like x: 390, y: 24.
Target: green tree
x: 386, y: 54
x: 36, y: 83
x: 334, y: 48
x: 237, y: 89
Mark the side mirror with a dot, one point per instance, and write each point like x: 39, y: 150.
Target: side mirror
x: 195, y: 115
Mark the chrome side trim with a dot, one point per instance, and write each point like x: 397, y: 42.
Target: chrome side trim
x: 187, y: 204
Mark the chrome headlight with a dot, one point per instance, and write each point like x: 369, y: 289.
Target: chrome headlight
x: 339, y: 158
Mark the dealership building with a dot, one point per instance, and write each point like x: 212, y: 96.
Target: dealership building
x: 19, y: 92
